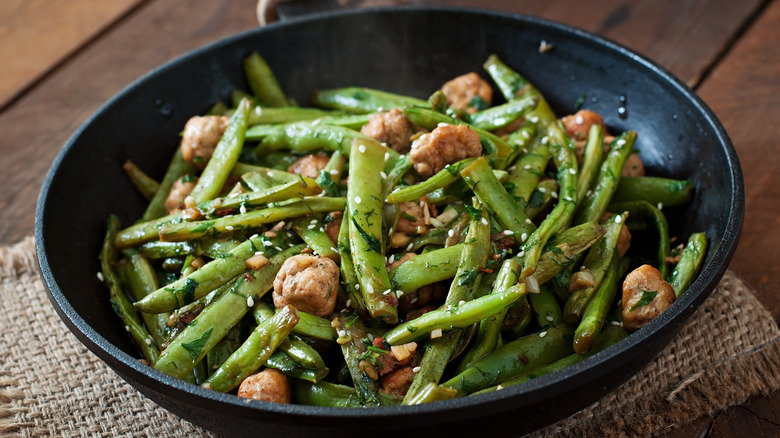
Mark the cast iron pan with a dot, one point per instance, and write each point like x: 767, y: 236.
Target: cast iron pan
x: 405, y: 50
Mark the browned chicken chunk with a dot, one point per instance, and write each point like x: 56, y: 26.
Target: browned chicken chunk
x: 333, y: 226
x: 394, y: 263
x: 309, y: 165
x: 200, y: 138
x: 468, y: 93
x: 398, y: 381
x: 645, y: 295
x: 269, y: 385
x: 633, y: 166
x: 308, y: 283
x: 412, y: 217
x: 445, y: 145
x: 624, y: 239
x: 391, y: 128
x: 578, y: 124
x: 180, y: 189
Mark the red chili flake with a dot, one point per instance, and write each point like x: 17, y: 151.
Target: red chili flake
x: 391, y: 300
x: 248, y: 276
x: 495, y: 255
x: 227, y: 212
x: 379, y: 342
x: 486, y: 270
x: 505, y: 242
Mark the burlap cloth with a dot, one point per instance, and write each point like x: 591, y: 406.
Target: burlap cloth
x: 51, y: 385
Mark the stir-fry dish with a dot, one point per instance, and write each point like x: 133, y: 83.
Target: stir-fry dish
x: 378, y: 249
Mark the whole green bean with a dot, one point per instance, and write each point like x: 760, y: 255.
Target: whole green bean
x: 142, y: 280
x: 282, y: 362
x: 655, y: 190
x: 263, y: 82
x: 119, y: 302
x: 293, y: 347
x: 499, y: 116
x: 364, y: 100
x: 299, y: 188
x: 524, y: 178
x: 254, y: 351
x: 352, y: 333
x: 365, y: 203
x: 690, y: 262
x: 443, y: 178
x: 224, y: 157
x: 330, y: 176
x: 333, y: 395
x: 427, y: 268
x: 161, y: 250
x: 145, y: 184
x: 308, y: 136
x: 595, y: 314
x: 286, y: 114
x: 591, y: 160
x: 646, y: 212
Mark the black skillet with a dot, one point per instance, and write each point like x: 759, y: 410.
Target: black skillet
x: 411, y: 51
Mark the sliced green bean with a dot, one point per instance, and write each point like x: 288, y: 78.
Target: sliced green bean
x: 591, y: 160
x: 595, y: 314
x: 142, y: 280
x: 499, y: 116
x: 655, y: 190
x: 692, y: 257
x: 282, y: 362
x: 263, y: 82
x: 427, y: 268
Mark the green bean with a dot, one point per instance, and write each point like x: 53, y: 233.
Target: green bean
x: 348, y: 276
x: 427, y: 268
x: 224, y: 348
x: 595, y: 314
x: 333, y: 395
x: 218, y: 109
x: 689, y: 263
x: 473, y: 258
x: 145, y: 184
x: 119, y: 302
x: 644, y: 211
x: 178, y: 168
x: 306, y: 136
x: 293, y: 347
x: 395, y: 172
x: 524, y: 178
x: 263, y: 82
x: 363, y: 100
x: 499, y: 116
x: 459, y: 315
x: 160, y: 250
x: 493, y: 195
x: 312, y: 231
x: 282, y: 362
x: 595, y: 204
x: 285, y: 114
x: 597, y: 262
x: 224, y: 157
x: 213, y: 323
x: 443, y: 178
x: 330, y: 176
x: 591, y: 161
x: 542, y: 198
x: 533, y: 351
x: 142, y: 280
x: 254, y: 351
x: 546, y: 307
x: 236, y: 96
x: 196, y: 229
x: 655, y: 190
x: 299, y: 188
x: 523, y: 137
x: 610, y: 336
x: 351, y: 337
x: 351, y: 121
x: 565, y: 247
x: 315, y: 327
x: 364, y: 199
x: 431, y: 393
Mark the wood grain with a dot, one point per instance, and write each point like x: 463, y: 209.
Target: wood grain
x: 36, y: 35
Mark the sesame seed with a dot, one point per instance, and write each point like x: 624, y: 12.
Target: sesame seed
x: 342, y: 333
x: 549, y: 318
x: 543, y: 334
x: 621, y: 142
x: 258, y: 253
x: 100, y: 276
x: 399, y: 293
x: 554, y: 195
x: 349, y: 303
x: 660, y: 206
x: 229, y: 227
x: 572, y: 171
x: 545, y: 139
x: 524, y: 237
x: 267, y: 243
x: 311, y: 227
x: 334, y: 172
x: 521, y: 254
x: 313, y: 221
x: 369, y: 288
x: 358, y: 200
x: 382, y: 174
x: 534, y: 119
x: 588, y: 193
x: 526, y: 134
x: 618, y: 219
x: 529, y: 221
x: 413, y: 300
x: 512, y: 169
x: 617, y: 323
x: 541, y: 189
x: 508, y: 232
x: 242, y: 209
x: 451, y: 233
x: 270, y: 174
x: 254, y: 236
x: 387, y: 156
x: 442, y: 124
x: 387, y: 292
x: 250, y: 302
x: 499, y: 388
x: 357, y: 286
x: 485, y: 221
x: 527, y: 167
x: 409, y: 247
x: 461, y: 302
x: 579, y: 120
x: 127, y: 328
x: 362, y: 149
x: 416, y: 369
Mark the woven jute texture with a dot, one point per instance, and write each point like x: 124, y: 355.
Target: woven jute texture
x: 51, y: 385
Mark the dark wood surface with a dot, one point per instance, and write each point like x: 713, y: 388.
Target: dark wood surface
x: 726, y: 50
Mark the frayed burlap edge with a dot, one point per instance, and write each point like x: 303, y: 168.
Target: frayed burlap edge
x: 15, y: 261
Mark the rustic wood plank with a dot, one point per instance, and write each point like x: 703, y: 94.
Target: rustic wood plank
x: 37, y: 126
x: 743, y: 93
x: 35, y: 35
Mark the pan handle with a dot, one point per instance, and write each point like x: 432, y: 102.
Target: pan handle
x: 269, y: 11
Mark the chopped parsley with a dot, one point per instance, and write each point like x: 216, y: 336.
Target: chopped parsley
x: 195, y: 347
x: 647, y: 297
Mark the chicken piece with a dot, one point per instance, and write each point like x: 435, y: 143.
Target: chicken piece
x: 468, y: 93
x: 624, y: 239
x: 309, y: 165
x: 633, y: 166
x: 413, y: 218
x: 645, y: 295
x: 308, y: 283
x: 269, y: 385
x: 398, y: 261
x: 391, y: 128
x: 200, y: 138
x: 445, y: 145
x: 333, y: 226
x: 578, y: 124
x: 180, y: 189
x: 398, y: 381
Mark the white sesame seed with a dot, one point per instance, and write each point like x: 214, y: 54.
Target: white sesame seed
x: 311, y: 227
x: 358, y: 200
x: 499, y: 388
x: 526, y: 134
x: 545, y: 139
x: 618, y: 219
x: 572, y: 171
x: 541, y: 189
x: 342, y: 333
x: 267, y: 243
x: 485, y: 221
x: 512, y: 169
x: 148, y: 341
x: 524, y: 237
x: 349, y: 303
x: 369, y: 288
x: 127, y: 328
x: 543, y: 334
x: 549, y: 318
x: 442, y: 124
x: 461, y: 302
x: 250, y: 302
x: 554, y: 195
x: 588, y: 193
x: 529, y: 221
x: 386, y: 292
x: 270, y: 174
x: 254, y: 236
x: 382, y: 174
x: 362, y: 149
x: 277, y: 248
x: 334, y: 172
x: 100, y: 276
x: 357, y: 286
x: 579, y: 120
x: 413, y: 300
x: 451, y: 233
x: 409, y: 247
x: 508, y: 232
x: 416, y: 369
x: 387, y: 156
x: 660, y: 205
x: 521, y: 254
x: 621, y: 142
x: 617, y: 323
x: 229, y: 227
x: 399, y: 293
x: 242, y: 209
x: 534, y: 119
x: 527, y: 167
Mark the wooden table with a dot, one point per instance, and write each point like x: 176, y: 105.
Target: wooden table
x: 62, y: 60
